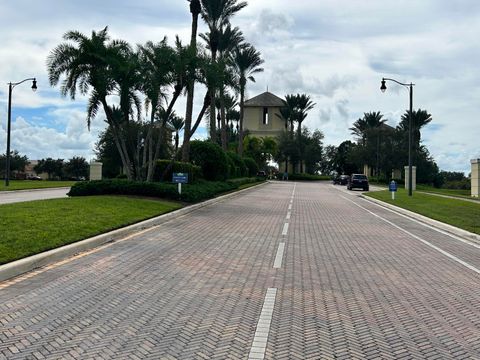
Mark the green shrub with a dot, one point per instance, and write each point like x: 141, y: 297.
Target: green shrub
x: 211, y: 158
x: 308, y: 177
x: 457, y: 184
x: 241, y: 169
x: 251, y: 166
x: 194, y: 172
x: 191, y: 193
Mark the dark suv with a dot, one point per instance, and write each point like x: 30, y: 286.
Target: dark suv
x: 342, y: 180
x: 358, y: 181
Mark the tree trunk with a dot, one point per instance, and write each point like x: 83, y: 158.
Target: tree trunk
x: 206, y: 104
x: 190, y: 89
x: 223, y: 122
x: 119, y: 141
x: 240, y: 131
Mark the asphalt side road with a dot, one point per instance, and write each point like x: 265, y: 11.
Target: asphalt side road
x: 8, y: 197
x: 284, y: 271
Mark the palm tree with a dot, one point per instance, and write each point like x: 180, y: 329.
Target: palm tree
x: 177, y: 124
x: 217, y: 14
x: 304, y: 105
x: 195, y: 10
x: 362, y: 127
x: 366, y: 128
x: 156, y: 61
x: 420, y: 118
x: 87, y: 66
x: 246, y: 62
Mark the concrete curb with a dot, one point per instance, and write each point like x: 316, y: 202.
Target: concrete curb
x: 33, y: 190
x: 18, y: 267
x: 474, y: 238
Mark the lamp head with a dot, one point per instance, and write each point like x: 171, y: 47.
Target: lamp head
x: 34, y: 85
x: 383, y: 87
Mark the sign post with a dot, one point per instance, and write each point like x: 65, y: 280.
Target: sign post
x: 180, y: 178
x: 393, y: 188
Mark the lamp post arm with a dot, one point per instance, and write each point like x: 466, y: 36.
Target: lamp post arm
x: 398, y: 82
x: 20, y: 82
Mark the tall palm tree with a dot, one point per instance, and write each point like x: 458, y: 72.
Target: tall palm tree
x: 87, y: 66
x: 304, y: 105
x: 362, y: 127
x: 195, y: 10
x: 217, y: 14
x: 246, y: 63
x: 420, y: 118
x: 157, y: 66
x: 369, y: 129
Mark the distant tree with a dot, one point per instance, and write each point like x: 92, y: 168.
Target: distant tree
x: 76, y: 167
x: 17, y: 162
x: 312, y: 151
x: 452, y: 175
x: 327, y: 166
x: 53, y: 168
x: 345, y: 161
x: 262, y: 150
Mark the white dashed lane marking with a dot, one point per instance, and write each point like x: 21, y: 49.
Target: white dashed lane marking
x: 257, y: 351
x: 279, y: 257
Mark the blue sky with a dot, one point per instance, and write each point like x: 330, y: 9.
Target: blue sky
x: 337, y: 51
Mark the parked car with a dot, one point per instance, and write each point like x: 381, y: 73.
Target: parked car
x: 34, y: 177
x: 262, y: 174
x: 340, y: 180
x: 358, y: 181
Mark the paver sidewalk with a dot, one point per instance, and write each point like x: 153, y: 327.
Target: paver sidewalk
x: 218, y: 284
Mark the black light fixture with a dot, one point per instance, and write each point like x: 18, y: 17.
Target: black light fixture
x: 9, y: 124
x: 383, y: 87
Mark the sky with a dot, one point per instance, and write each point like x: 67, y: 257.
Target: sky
x: 336, y: 51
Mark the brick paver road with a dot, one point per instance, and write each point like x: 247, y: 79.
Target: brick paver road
x: 345, y: 279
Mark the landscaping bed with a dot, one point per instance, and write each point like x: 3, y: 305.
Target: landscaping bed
x: 191, y: 193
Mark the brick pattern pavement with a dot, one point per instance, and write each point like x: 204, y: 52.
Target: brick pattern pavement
x: 350, y: 287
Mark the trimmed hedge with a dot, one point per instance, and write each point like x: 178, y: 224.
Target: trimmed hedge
x: 190, y: 192
x: 308, y: 177
x: 194, y: 172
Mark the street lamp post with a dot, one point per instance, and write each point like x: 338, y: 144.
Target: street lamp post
x: 9, y: 122
x: 410, y: 88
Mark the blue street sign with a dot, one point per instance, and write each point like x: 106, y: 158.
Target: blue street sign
x: 180, y: 178
x: 393, y: 186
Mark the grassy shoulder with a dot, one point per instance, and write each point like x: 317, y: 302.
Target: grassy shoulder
x: 34, y: 184
x: 459, y: 213
x: 32, y: 227
x: 449, y: 192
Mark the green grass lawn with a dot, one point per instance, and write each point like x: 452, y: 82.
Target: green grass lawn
x: 31, y: 227
x: 450, y: 192
x: 33, y: 184
x: 459, y: 213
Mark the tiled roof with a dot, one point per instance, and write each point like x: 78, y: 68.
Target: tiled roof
x: 266, y: 99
